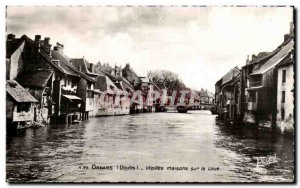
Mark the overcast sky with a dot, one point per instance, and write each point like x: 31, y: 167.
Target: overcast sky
x: 201, y: 44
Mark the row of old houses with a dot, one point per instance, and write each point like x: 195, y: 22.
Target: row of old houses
x: 44, y: 85
x: 262, y: 91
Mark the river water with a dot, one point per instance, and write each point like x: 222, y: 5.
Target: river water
x: 154, y: 147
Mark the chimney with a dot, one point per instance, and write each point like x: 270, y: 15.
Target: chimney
x: 11, y: 37
x: 92, y: 67
x: 247, y: 60
x: 46, y: 40
x: 120, y: 71
x: 59, y: 48
x: 292, y: 28
x: 47, y: 45
x: 286, y: 37
x: 253, y: 56
x: 37, y: 40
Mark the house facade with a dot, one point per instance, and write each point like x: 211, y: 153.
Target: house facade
x: 285, y: 94
x: 263, y: 88
x: 81, y: 88
x: 20, y: 105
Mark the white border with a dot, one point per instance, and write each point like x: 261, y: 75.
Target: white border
x: 4, y: 3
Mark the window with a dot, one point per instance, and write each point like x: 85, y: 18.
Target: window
x: 283, y: 97
x: 282, y: 114
x: 23, y: 107
x: 283, y: 76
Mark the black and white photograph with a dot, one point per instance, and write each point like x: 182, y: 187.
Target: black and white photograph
x: 150, y: 94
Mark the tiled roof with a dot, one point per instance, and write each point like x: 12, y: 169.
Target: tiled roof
x: 284, y: 51
x: 83, y: 63
x: 64, y: 63
x: 18, y: 93
x: 285, y: 62
x: 104, y: 84
x: 45, y: 58
x: 36, y: 78
x: 263, y: 56
x: 67, y: 66
x: 230, y: 75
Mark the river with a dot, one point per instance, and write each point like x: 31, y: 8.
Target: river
x: 153, y: 147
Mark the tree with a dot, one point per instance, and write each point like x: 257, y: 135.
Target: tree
x: 170, y: 79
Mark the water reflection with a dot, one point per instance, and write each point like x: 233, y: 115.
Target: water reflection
x: 55, y: 152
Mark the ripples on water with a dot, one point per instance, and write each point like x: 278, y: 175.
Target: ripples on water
x: 55, y: 152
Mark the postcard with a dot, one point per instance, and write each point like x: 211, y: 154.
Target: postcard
x: 150, y: 94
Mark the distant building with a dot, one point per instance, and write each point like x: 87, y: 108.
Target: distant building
x: 227, y: 95
x: 129, y: 74
x: 206, y: 98
x: 106, y: 99
x: 125, y: 93
x: 147, y: 88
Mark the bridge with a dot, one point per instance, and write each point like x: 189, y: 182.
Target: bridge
x: 180, y: 108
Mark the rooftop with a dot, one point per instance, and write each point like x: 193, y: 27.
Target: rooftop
x: 18, y: 93
x: 36, y: 78
x: 282, y: 53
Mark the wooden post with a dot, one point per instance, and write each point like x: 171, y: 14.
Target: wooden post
x: 66, y: 120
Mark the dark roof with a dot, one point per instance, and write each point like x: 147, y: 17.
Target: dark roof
x: 18, y: 93
x: 67, y: 66
x: 230, y: 75
x: 285, y: 62
x: 12, y: 45
x: 126, y: 84
x: 64, y: 61
x: 36, y: 78
x: 264, y: 56
x: 121, y: 82
x: 84, y: 64
x: 282, y: 53
x: 98, y: 72
x: 104, y: 84
x: 44, y: 59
